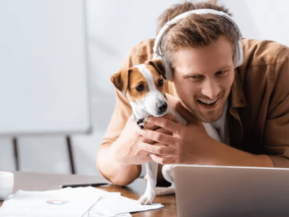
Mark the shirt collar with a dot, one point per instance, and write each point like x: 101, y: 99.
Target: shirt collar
x: 236, y: 100
x: 237, y: 97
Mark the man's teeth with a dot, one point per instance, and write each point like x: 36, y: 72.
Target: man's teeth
x: 208, y: 102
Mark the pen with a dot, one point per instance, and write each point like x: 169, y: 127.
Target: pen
x: 83, y: 185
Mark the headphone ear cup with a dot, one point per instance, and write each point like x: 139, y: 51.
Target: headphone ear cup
x: 238, y: 59
x: 168, y: 70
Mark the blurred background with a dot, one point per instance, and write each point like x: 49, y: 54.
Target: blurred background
x: 113, y: 27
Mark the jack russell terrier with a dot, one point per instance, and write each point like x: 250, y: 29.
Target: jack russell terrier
x: 143, y: 86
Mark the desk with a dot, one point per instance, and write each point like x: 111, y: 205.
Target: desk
x: 43, y: 181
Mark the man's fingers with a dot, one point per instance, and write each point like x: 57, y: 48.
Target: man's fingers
x: 185, y: 112
x: 158, y: 149
x: 149, y: 141
x: 154, y: 127
x: 158, y: 137
x: 161, y: 159
x: 160, y: 130
x: 150, y: 126
x: 164, y: 131
x: 163, y: 123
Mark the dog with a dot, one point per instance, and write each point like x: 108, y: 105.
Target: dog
x: 143, y: 86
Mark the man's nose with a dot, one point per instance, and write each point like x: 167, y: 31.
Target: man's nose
x: 210, y: 89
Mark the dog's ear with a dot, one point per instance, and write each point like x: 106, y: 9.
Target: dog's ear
x: 158, y: 65
x: 121, y: 80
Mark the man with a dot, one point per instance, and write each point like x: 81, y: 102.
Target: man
x: 249, y: 106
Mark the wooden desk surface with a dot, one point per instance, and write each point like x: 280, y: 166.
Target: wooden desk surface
x: 44, y: 181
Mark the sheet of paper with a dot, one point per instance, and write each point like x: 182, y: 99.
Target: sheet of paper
x: 111, y: 205
x: 104, y: 215
x: 58, y: 203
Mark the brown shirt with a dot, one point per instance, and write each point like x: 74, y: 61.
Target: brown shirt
x: 258, y: 109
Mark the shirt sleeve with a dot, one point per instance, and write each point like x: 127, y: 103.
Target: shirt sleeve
x: 276, y: 136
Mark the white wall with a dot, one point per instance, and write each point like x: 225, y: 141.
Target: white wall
x: 114, y: 27
x: 262, y: 19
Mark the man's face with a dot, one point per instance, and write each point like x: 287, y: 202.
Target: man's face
x: 203, y: 78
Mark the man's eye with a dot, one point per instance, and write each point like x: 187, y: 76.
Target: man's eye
x: 161, y: 82
x: 195, y: 77
x: 140, y: 88
x: 220, y: 72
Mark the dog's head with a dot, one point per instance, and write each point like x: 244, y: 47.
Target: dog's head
x: 143, y: 86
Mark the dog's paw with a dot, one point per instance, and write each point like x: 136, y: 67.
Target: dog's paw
x: 140, y: 121
x: 147, y: 199
x: 161, y: 191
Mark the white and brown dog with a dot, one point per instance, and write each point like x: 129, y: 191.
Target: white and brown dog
x: 143, y: 87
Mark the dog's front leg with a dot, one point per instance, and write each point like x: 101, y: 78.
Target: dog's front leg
x: 150, y: 193
x: 168, y: 173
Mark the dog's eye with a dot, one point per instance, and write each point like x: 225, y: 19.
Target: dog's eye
x: 140, y: 88
x: 161, y: 82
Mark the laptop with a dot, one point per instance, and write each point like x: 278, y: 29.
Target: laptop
x: 231, y: 191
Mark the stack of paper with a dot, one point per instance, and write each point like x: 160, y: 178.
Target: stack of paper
x: 74, y: 202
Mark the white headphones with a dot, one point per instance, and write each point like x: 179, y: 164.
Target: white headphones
x: 238, y: 58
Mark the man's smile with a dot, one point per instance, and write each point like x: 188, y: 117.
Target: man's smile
x: 206, y: 104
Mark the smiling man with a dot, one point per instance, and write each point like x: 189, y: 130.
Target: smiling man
x: 247, y: 105
x: 203, y: 78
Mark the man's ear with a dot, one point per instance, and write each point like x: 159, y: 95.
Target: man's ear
x: 121, y: 80
x: 158, y: 65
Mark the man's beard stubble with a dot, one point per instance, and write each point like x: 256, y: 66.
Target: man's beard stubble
x: 213, y: 119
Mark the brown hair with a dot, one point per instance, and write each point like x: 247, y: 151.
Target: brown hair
x: 195, y: 30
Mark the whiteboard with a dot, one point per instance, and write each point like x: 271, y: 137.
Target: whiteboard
x: 43, y: 67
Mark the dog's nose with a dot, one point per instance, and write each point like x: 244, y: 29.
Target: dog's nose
x: 162, y: 108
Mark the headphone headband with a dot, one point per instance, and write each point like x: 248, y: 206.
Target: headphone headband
x: 157, y: 51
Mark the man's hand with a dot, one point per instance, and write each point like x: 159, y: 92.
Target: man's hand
x: 187, y: 144
x: 126, y: 150
x: 192, y: 145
